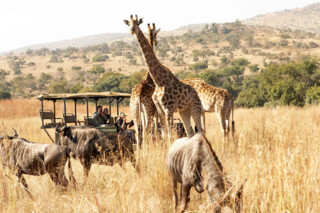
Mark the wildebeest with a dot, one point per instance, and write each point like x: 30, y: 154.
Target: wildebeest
x: 25, y: 157
x: 90, y: 145
x: 192, y: 162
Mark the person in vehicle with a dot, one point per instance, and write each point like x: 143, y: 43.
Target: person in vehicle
x: 97, y: 116
x: 121, y: 123
x: 106, y: 116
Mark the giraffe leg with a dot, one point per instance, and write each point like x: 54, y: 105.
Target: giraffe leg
x: 203, y: 121
x: 135, y: 111
x: 227, y: 110
x: 222, y: 122
x: 144, y: 123
x: 186, y: 116
x: 148, y: 130
x: 162, y: 117
x: 196, y: 112
x: 169, y: 122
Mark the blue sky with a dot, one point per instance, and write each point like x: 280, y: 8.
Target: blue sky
x: 38, y: 21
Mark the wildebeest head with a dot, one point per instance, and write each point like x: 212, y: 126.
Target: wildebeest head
x: 10, y: 137
x: 233, y: 200
x: 63, y: 131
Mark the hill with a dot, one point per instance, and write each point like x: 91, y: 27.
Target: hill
x: 97, y: 39
x: 224, y: 55
x: 77, y: 42
x: 305, y: 19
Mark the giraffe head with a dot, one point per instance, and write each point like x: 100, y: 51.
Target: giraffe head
x: 153, y: 34
x: 133, y: 24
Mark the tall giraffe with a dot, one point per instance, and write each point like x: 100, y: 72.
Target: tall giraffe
x: 142, y: 107
x: 170, y: 94
x: 217, y: 100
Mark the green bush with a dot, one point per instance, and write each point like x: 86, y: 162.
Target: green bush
x: 4, y: 94
x: 198, y: 66
x: 99, y: 58
x: 59, y: 87
x: 313, y: 95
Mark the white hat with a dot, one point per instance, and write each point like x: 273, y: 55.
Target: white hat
x: 122, y: 114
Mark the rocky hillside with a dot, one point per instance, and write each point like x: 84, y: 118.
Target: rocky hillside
x: 305, y: 18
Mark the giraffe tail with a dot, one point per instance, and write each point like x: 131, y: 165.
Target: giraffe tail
x: 233, y: 123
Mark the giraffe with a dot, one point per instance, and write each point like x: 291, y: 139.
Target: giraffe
x: 142, y: 107
x: 170, y: 95
x: 217, y: 100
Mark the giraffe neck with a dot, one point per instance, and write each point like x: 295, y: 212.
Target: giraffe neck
x: 157, y: 72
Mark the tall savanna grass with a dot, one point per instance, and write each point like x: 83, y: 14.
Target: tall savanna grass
x: 275, y: 149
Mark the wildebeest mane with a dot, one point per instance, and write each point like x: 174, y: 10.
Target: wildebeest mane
x: 214, y: 156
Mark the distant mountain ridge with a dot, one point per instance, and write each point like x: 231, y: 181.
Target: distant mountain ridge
x: 99, y: 39
x: 77, y: 42
x: 305, y: 18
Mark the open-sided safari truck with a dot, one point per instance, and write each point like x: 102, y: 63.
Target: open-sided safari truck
x: 50, y: 119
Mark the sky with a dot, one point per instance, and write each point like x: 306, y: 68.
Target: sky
x: 30, y: 22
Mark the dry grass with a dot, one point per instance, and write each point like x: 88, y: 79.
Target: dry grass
x: 276, y: 149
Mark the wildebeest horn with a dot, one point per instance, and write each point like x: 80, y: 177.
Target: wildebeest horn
x: 15, y: 133
x: 13, y: 136
x: 59, y: 130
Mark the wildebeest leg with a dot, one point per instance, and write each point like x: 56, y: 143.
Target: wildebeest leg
x: 86, y: 166
x: 71, y: 176
x: 175, y: 194
x: 23, y: 182
x: 185, y: 192
x: 59, y: 178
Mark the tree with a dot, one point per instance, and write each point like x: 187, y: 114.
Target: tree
x: 3, y: 74
x: 203, y: 54
x: 4, y: 94
x: 97, y: 69
x: 44, y: 79
x: 109, y: 82
x: 313, y: 95
x: 198, y: 66
x: 100, y: 58
x: 254, y: 67
x: 59, y: 87
x: 76, y: 88
x: 76, y: 68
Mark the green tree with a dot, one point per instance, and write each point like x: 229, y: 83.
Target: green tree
x: 109, y: 82
x: 198, y: 66
x: 3, y: 74
x: 203, y: 54
x: 59, y: 87
x: 100, y: 58
x: 4, y: 94
x: 76, y: 88
x: 313, y: 95
x: 97, y: 69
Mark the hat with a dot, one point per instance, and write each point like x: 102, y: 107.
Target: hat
x: 122, y: 114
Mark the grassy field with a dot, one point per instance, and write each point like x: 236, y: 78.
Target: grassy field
x: 277, y: 150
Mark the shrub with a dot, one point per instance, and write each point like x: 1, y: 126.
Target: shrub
x: 76, y: 67
x: 99, y: 58
x: 198, y: 66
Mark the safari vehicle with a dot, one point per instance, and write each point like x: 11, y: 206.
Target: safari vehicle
x: 50, y: 119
